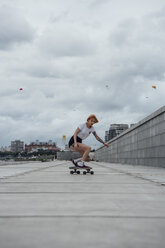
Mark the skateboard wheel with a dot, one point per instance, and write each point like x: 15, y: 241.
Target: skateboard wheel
x: 92, y: 172
x: 78, y: 172
x: 71, y: 172
x: 84, y: 173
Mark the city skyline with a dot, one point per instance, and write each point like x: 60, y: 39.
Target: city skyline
x: 22, y: 146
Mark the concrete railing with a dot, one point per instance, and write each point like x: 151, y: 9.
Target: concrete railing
x: 142, y: 144
x: 67, y: 155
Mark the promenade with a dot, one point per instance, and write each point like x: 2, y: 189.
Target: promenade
x: 42, y: 205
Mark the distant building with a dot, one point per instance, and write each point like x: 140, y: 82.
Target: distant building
x: 114, y: 130
x: 67, y: 147
x: 37, y: 145
x: 4, y: 148
x: 17, y: 146
x: 7, y: 148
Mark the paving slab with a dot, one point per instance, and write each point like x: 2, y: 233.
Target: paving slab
x: 17, y: 168
x: 118, y: 206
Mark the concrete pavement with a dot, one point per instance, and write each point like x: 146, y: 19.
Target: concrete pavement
x: 118, y: 206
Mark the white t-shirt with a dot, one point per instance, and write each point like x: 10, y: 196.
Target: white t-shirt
x: 85, y: 131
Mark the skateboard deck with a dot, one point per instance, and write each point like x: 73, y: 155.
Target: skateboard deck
x: 76, y: 169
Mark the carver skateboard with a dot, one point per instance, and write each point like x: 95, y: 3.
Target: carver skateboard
x: 85, y: 169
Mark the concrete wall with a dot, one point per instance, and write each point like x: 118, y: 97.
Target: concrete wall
x: 142, y: 144
x: 67, y: 155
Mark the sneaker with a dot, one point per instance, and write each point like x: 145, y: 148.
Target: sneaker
x: 80, y: 164
x: 75, y: 163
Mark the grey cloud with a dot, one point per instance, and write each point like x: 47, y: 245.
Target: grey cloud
x: 42, y: 71
x: 66, y: 40
x: 124, y: 33
x: 47, y: 69
x: 139, y: 47
x: 14, y: 28
x: 98, y: 3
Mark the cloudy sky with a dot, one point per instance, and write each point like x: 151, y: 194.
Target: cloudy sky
x: 77, y: 57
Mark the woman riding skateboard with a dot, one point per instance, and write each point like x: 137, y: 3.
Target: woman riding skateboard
x: 81, y: 133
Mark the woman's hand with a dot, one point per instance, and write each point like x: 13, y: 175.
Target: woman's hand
x: 106, y: 144
x: 75, y: 145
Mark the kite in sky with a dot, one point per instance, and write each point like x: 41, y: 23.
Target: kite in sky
x: 154, y: 87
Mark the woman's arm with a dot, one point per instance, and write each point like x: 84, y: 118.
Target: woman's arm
x: 100, y: 140
x: 75, y: 136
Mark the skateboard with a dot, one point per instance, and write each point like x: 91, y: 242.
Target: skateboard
x: 76, y: 169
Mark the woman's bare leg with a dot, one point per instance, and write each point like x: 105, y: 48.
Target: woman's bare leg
x: 84, y: 150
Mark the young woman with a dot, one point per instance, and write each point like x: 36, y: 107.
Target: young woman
x: 81, y: 133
